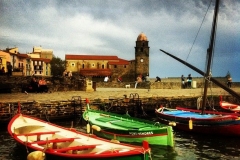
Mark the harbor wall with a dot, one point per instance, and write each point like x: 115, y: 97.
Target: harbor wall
x: 17, y: 84
x: 51, y: 110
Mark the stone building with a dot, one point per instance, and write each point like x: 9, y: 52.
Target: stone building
x: 4, y: 58
x: 37, y: 62
x: 96, y: 67
x: 142, y: 56
x: 41, y: 61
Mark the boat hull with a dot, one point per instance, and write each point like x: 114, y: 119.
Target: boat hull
x: 154, y: 139
x: 217, y: 124
x: 128, y: 129
x: 133, y: 157
x: 67, y: 143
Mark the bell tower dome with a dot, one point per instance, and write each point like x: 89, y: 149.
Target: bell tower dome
x: 142, y: 55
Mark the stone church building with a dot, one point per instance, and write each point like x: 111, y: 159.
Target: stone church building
x: 96, y: 67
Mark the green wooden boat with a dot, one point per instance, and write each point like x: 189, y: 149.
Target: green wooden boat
x: 128, y: 129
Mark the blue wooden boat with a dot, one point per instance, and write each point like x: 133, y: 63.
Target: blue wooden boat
x: 201, y: 121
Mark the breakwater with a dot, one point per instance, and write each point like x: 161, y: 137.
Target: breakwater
x: 17, y: 84
x: 73, y: 108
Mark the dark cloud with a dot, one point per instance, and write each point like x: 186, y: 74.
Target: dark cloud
x: 111, y: 27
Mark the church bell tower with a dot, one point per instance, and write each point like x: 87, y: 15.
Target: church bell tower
x: 142, y: 55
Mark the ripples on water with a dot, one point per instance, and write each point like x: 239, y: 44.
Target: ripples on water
x: 187, y: 147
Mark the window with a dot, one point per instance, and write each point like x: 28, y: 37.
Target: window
x: 73, y: 64
x: 102, y: 66
x: 93, y: 64
x: 82, y: 66
x: 115, y: 66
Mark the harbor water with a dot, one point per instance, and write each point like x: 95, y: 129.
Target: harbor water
x: 188, y: 146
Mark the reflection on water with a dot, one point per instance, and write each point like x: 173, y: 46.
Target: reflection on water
x: 187, y: 147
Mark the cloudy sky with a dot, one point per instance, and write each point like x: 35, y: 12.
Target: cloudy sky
x: 111, y: 27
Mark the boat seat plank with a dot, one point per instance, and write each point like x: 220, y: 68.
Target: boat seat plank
x: 83, y: 147
x: 57, y: 140
x: 37, y: 133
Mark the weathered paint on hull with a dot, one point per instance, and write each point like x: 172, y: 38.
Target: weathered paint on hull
x: 129, y: 129
x: 133, y: 157
x: 225, y: 130
x: 164, y: 139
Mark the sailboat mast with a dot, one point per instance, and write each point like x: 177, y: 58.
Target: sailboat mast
x: 229, y: 90
x: 210, y: 53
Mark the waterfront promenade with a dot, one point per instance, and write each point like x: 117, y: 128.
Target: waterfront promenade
x: 105, y: 93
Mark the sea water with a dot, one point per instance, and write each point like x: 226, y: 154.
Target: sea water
x: 188, y: 146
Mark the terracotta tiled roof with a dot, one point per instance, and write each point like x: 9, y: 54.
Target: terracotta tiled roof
x: 89, y: 57
x: 119, y: 62
x: 95, y: 72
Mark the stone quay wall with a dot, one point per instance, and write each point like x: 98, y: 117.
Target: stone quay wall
x: 15, y: 84
x: 73, y: 108
x: 166, y: 83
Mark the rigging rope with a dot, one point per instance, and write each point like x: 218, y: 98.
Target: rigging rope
x: 199, y: 30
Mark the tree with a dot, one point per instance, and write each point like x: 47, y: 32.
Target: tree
x: 57, y: 66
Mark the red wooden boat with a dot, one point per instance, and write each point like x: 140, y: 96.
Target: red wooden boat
x: 215, y: 123
x: 202, y: 121
x: 229, y: 106
x: 56, y: 142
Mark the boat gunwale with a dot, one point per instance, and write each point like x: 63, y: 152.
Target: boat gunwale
x: 132, y: 150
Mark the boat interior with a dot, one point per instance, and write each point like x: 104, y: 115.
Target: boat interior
x: 64, y: 141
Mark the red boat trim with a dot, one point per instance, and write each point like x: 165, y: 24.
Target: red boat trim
x: 209, y: 112
x: 132, y: 152
x: 57, y: 140
x: 84, y: 147
x: 219, y: 117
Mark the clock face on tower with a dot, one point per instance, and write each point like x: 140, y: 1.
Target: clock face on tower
x: 141, y: 60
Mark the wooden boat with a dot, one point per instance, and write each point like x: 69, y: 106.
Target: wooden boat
x: 229, y: 106
x: 202, y: 121
x: 215, y: 123
x: 66, y: 143
x: 128, y: 129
